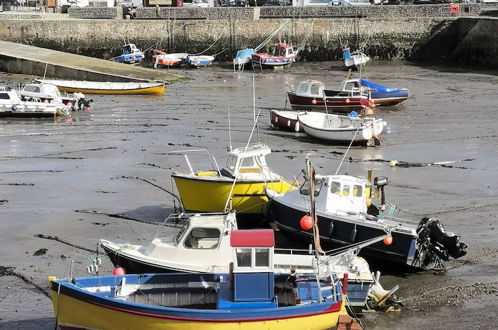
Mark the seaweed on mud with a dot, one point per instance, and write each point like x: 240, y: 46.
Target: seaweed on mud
x: 9, y: 271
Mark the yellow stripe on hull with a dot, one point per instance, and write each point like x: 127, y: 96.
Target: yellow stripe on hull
x: 156, y: 90
x: 74, y: 313
x: 198, y: 194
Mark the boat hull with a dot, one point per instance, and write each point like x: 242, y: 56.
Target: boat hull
x: 78, y: 308
x: 342, y: 104
x: 389, y: 99
x: 210, y: 194
x: 155, y: 90
x: 340, y: 128
x: 357, y: 290
x: 343, y: 232
x: 286, y: 120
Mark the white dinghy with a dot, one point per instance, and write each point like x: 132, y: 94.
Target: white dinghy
x: 331, y: 127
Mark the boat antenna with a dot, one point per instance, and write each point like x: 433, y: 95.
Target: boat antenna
x: 229, y: 131
x: 45, y: 73
x: 254, y: 107
x: 235, y: 178
x: 347, y: 150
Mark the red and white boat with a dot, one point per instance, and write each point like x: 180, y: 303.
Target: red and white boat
x: 161, y: 58
x: 311, y: 95
x: 286, y: 120
x: 283, y: 54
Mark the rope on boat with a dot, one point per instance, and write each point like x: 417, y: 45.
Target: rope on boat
x: 270, y: 37
x: 205, y: 50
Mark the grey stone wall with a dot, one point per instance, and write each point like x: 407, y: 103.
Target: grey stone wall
x: 440, y: 10
x: 425, y: 38
x: 195, y: 13
x: 95, y: 12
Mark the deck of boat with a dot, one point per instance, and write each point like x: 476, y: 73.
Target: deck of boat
x: 31, y: 60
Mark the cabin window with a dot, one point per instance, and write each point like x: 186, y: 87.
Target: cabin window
x: 34, y: 89
x: 305, y: 188
x: 345, y: 190
x: 262, y: 257
x: 231, y: 162
x: 315, y: 89
x: 4, y: 96
x: 357, y: 190
x: 335, y: 187
x: 243, y: 257
x: 202, y: 238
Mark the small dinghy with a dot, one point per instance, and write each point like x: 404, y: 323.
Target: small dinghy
x: 106, y: 87
x: 199, y: 61
x: 331, y: 127
x: 160, y: 58
x: 354, y: 59
x: 286, y: 120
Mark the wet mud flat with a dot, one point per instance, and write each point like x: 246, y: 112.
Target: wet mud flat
x: 106, y: 173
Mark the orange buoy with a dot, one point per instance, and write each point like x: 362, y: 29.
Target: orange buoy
x: 388, y: 240
x: 118, y: 271
x: 306, y: 222
x: 313, y: 102
x: 347, y: 101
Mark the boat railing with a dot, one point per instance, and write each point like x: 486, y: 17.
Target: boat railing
x: 212, y: 160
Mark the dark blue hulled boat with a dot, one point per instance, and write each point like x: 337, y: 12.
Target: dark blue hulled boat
x: 346, y: 216
x: 251, y: 296
x: 379, y: 94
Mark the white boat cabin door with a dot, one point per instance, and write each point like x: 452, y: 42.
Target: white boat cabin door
x: 346, y: 197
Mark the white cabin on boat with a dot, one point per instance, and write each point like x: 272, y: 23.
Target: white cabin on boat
x: 310, y: 88
x: 250, y: 164
x: 339, y: 194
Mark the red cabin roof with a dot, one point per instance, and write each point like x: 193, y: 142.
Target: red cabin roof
x: 252, y: 238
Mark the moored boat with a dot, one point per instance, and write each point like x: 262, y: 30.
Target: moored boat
x: 129, y: 54
x: 282, y: 55
x: 199, y: 61
x: 346, y: 215
x: 340, y: 128
x: 11, y: 105
x: 202, y: 244
x: 250, y: 296
x: 311, y: 95
x: 239, y: 186
x: 106, y: 87
x: 43, y: 92
x: 379, y: 94
x: 168, y: 60
x: 242, y: 58
x: 355, y: 59
x: 286, y: 120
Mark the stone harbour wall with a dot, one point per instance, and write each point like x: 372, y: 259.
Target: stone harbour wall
x: 461, y: 39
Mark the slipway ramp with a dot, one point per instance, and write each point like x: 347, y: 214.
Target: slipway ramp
x: 36, y: 61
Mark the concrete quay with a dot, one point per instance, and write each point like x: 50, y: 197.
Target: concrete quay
x: 31, y: 60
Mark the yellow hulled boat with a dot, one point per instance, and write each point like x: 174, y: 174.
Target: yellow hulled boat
x: 107, y: 87
x: 239, y: 186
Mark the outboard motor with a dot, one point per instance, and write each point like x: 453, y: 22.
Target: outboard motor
x: 436, y: 243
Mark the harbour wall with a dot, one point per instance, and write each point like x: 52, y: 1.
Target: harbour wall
x: 463, y: 39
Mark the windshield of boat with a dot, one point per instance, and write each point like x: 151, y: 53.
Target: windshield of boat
x: 305, y: 188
